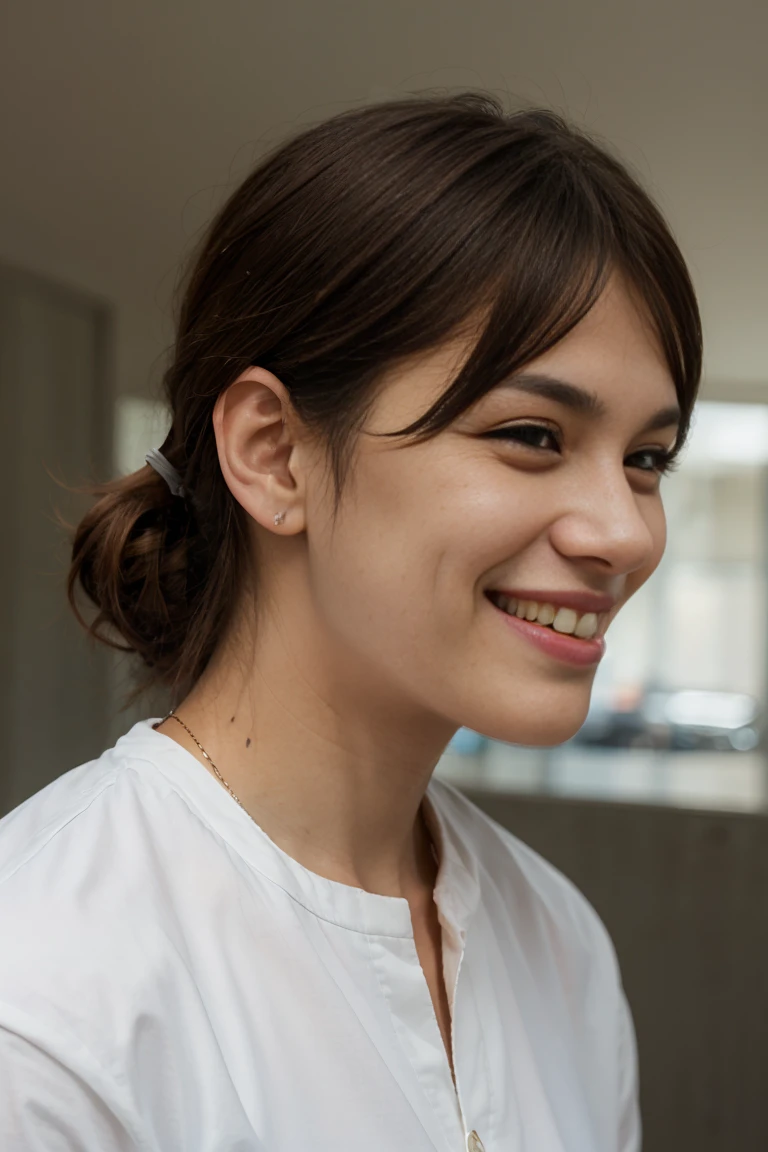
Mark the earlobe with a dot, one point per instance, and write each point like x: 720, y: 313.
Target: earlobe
x: 257, y: 453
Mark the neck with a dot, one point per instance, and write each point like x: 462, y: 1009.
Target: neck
x: 333, y: 771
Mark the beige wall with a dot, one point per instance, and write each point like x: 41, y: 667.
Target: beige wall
x: 124, y: 124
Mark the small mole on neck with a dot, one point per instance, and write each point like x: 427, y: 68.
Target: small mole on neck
x: 231, y: 719
x: 248, y: 742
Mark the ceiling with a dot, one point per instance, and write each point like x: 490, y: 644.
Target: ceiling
x: 124, y: 125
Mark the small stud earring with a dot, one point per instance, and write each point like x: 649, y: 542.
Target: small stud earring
x: 279, y: 517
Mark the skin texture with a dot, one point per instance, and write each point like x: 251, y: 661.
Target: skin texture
x: 370, y: 639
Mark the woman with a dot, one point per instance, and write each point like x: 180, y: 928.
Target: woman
x: 431, y: 364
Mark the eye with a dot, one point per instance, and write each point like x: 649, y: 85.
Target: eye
x: 652, y: 461
x: 536, y: 436
x: 658, y: 461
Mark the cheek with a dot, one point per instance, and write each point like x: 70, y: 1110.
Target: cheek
x: 410, y: 547
x: 656, y: 523
x: 369, y: 568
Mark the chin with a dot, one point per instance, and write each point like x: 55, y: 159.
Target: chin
x: 543, y: 730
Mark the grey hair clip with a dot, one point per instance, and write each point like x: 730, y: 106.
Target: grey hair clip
x: 156, y: 460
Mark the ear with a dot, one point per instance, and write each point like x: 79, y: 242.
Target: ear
x: 255, y: 426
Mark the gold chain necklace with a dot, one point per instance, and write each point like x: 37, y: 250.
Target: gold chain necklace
x: 172, y: 716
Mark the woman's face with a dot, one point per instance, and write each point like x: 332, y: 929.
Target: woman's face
x: 546, y: 494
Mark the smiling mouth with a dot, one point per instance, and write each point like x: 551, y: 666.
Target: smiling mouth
x: 566, y: 621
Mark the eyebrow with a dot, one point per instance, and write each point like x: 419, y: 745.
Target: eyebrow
x: 580, y: 399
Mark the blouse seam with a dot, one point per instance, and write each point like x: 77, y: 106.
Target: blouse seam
x: 49, y: 834
x: 385, y: 989
x: 229, y: 847
x: 492, y: 1107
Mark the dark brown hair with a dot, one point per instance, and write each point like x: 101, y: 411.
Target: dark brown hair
x: 361, y: 241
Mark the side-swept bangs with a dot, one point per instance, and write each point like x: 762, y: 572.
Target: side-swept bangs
x: 567, y: 216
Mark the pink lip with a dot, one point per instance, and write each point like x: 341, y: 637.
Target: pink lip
x: 579, y: 601
x: 563, y: 647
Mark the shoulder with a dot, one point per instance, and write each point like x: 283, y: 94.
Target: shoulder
x: 86, y: 818
x: 110, y: 844
x: 542, y: 906
x: 108, y: 881
x: 142, y: 803
x: 94, y: 871
x: 107, y: 878
x: 77, y: 851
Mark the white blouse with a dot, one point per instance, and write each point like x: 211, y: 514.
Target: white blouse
x: 172, y: 981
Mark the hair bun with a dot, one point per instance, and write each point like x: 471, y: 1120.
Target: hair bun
x: 131, y: 556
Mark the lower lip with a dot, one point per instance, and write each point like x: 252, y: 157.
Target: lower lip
x: 569, y: 649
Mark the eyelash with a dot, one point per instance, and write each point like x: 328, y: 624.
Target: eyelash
x: 666, y: 461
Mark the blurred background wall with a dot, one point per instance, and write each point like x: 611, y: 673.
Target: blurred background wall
x: 123, y: 128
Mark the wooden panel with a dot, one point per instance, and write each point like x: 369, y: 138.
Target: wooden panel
x: 685, y: 897
x: 54, y: 352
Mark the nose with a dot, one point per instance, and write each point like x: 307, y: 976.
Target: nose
x: 604, y: 521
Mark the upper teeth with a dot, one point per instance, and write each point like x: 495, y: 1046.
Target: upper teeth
x: 562, y: 619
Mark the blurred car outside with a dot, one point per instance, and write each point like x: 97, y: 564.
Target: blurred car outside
x: 677, y: 719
